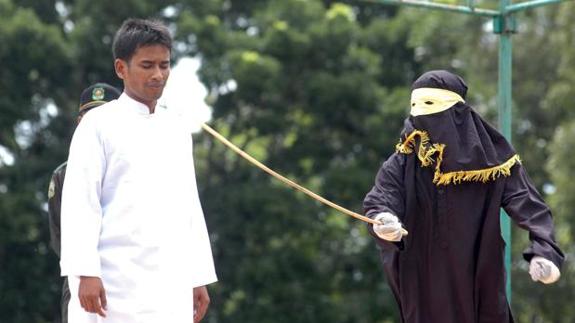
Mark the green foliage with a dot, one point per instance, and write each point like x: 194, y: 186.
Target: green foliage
x: 28, y: 81
x: 307, y: 84
x: 316, y: 89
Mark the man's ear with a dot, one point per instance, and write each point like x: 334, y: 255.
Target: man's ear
x: 121, y: 67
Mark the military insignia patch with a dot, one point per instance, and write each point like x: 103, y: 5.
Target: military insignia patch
x: 51, y: 189
x: 98, y: 94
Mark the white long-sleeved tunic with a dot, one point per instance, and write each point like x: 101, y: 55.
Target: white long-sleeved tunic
x: 131, y: 215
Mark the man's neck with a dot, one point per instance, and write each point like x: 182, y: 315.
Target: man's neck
x: 151, y: 105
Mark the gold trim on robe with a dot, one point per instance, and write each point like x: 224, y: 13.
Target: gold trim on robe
x: 427, y: 151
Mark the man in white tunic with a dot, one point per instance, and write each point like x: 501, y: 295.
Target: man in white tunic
x: 134, y: 240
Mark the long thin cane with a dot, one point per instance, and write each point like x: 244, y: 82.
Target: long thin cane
x: 288, y: 181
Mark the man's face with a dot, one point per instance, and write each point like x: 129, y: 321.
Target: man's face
x: 145, y: 74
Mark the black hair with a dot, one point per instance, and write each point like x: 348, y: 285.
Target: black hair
x: 135, y: 33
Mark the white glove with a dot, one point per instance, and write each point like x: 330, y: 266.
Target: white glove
x: 543, y: 270
x: 390, y: 228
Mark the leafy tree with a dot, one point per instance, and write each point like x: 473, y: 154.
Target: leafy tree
x: 308, y: 102
x: 27, y: 86
x: 549, y: 304
x: 316, y: 89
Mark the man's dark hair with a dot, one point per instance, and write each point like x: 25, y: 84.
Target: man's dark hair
x: 135, y: 33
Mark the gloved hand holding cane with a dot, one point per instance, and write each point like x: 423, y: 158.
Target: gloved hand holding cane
x: 390, y: 228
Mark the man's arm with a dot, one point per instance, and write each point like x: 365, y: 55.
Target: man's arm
x: 526, y: 207
x: 387, y: 199
x: 388, y: 192
x: 81, y: 218
x: 204, y: 272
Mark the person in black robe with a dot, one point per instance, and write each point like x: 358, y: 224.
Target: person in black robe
x: 451, y: 174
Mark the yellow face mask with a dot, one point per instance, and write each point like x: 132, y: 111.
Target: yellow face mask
x: 430, y: 100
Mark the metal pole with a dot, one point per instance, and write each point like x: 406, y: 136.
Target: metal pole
x: 506, y: 26
x: 470, y: 10
x: 529, y: 4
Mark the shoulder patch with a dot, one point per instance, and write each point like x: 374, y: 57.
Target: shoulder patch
x: 98, y: 94
x: 51, y: 189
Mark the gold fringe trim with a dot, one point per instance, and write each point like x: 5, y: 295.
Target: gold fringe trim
x: 426, y: 152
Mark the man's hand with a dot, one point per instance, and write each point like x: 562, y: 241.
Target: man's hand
x: 201, y: 302
x: 543, y: 270
x: 92, y: 295
x: 390, y: 228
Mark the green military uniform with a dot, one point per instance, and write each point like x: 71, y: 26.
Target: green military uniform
x: 54, y: 203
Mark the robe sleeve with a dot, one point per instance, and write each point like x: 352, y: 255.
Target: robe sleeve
x: 81, y: 217
x: 525, y: 206
x: 387, y: 194
x: 204, y: 270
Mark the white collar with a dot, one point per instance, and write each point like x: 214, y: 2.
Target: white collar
x: 131, y: 105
